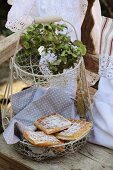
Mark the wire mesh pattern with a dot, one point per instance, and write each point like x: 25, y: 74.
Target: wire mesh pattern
x: 40, y: 154
x: 29, y: 71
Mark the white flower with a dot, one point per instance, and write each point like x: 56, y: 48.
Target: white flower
x: 41, y: 50
x: 75, y: 47
x: 43, y: 63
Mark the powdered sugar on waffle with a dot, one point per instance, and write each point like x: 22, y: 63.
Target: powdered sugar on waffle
x: 41, y: 137
x: 73, y: 129
x: 55, y: 121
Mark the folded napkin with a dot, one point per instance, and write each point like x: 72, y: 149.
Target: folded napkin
x: 31, y: 104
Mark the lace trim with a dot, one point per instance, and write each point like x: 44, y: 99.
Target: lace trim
x: 92, y: 78
x: 21, y: 14
x: 106, y: 66
x: 16, y: 25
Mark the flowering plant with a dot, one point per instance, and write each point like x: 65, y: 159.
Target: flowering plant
x: 53, y: 39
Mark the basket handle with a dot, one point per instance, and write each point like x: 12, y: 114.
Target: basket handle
x: 49, y: 19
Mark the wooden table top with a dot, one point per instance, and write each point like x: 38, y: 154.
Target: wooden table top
x: 92, y: 157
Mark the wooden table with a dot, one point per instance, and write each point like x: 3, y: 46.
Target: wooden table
x: 92, y: 157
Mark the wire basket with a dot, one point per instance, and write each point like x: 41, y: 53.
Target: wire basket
x: 40, y: 154
x: 30, y: 74
x: 28, y: 71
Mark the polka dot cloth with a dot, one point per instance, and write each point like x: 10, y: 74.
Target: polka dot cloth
x: 33, y: 103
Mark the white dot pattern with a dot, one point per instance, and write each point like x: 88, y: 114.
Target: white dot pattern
x: 28, y: 108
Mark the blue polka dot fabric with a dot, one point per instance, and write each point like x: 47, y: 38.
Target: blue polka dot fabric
x: 31, y: 104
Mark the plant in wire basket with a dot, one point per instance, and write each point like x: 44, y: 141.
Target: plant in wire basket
x: 52, y: 48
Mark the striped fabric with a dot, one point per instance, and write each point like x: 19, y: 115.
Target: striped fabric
x: 106, y: 44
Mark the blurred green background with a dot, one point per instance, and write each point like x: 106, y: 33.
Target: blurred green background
x: 106, y: 5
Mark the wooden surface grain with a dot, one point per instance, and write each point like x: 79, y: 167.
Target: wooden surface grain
x: 7, y: 47
x: 92, y: 157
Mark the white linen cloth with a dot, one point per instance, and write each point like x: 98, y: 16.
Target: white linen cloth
x: 23, y: 12
x: 103, y: 100
x: 33, y: 103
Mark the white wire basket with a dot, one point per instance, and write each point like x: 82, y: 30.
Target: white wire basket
x: 28, y: 71
x: 40, y: 154
x: 32, y: 72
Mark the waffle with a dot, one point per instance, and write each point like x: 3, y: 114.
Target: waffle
x: 52, y: 123
x: 41, y: 139
x: 77, y: 130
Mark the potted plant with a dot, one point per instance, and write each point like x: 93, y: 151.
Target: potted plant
x: 52, y: 48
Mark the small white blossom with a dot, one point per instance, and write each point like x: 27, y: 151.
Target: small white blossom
x: 76, y: 47
x: 41, y: 50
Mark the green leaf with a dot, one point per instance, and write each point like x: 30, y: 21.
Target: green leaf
x: 26, y: 45
x: 64, y: 59
x: 56, y: 63
x: 83, y: 52
x: 82, y: 47
x: 77, y: 43
x: 74, y: 55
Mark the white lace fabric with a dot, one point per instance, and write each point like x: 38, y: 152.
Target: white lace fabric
x: 106, y: 66
x: 20, y: 15
x: 106, y: 49
x: 23, y: 12
x: 92, y: 78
